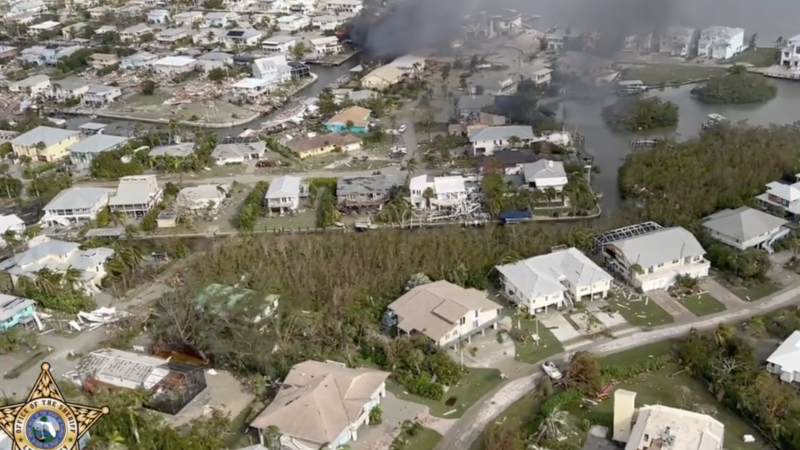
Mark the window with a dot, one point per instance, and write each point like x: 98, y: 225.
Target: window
x: 675, y: 261
x: 476, y: 313
x: 463, y: 321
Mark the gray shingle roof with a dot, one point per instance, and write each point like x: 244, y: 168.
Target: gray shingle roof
x: 743, y: 223
x: 502, y: 133
x: 98, y: 143
x: 366, y: 185
x: 659, y: 247
x: 48, y: 135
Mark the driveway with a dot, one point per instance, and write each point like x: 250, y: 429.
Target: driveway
x: 721, y: 293
x: 395, y: 411
x: 669, y: 304
x: 465, y: 431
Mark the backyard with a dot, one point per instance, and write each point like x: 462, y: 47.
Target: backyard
x: 751, y: 291
x: 638, y: 310
x: 666, y: 74
x: 475, y: 384
x: 702, y: 304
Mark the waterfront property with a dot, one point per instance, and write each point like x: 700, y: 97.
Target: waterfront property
x: 222, y: 299
x: 44, y: 144
x: 60, y: 256
x: 251, y: 88
x: 790, y: 53
x: 322, y: 404
x: 279, y: 44
x: 174, y: 65
x: 353, y: 193
x: 99, y: 95
x: 15, y: 311
x: 82, y: 153
x: 781, y: 198
x: 68, y: 89
x: 382, y: 77
x: 785, y: 360
x: 75, y: 205
x: 272, y: 69
x: 487, y: 140
x: 354, y: 119
x: 557, y: 279
x: 745, y: 228
x: 428, y: 191
x: 653, y: 259
x: 325, y: 46
x: 283, y: 194
x: 136, y: 195
x: 544, y: 174
x: 679, y: 41
x: 33, y: 85
x: 720, y: 42
x: 322, y: 144
x: 444, y: 313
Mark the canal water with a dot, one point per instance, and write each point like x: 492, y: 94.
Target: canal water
x: 610, y: 148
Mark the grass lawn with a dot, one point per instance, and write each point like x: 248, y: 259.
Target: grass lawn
x: 475, y: 384
x: 637, y: 355
x: 639, y: 311
x: 654, y: 75
x: 426, y: 439
x: 759, y: 57
x: 517, y: 415
x: 702, y: 304
x: 752, y: 292
x: 679, y: 391
x: 531, y: 353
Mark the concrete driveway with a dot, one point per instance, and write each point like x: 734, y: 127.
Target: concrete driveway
x: 669, y: 304
x: 395, y: 411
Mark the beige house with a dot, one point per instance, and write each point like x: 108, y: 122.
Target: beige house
x: 45, y: 143
x: 102, y: 60
x: 322, y: 144
x: 382, y: 77
x: 445, y: 313
x: 322, y: 405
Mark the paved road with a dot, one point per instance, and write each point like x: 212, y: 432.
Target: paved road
x: 465, y: 431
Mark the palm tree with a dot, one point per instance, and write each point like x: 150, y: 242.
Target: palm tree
x: 635, y: 269
x: 72, y: 277
x: 552, y: 426
x: 4, y: 169
x: 551, y: 194
x: 10, y: 236
x: 272, y: 438
x: 411, y: 166
x: 514, y: 141
x: 581, y: 238
x: 428, y: 194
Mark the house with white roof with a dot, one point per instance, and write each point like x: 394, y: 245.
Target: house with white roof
x: 745, y: 228
x: 238, y: 153
x: 279, y: 44
x: 327, y: 22
x: 134, y: 32
x: 188, y: 18
x: 487, y: 140
x: 790, y: 53
x: 292, y: 22
x: 174, y: 65
x: 557, y: 279
x: 273, y: 69
x: 14, y: 311
x: 60, y: 256
x: 208, y: 36
x: 172, y: 35
x: 432, y: 192
x: 785, y: 360
x: 251, y: 88
x: 105, y: 29
x: 329, y: 45
x: 136, y: 195
x: 782, y: 198
x: 67, y: 89
x: 83, y: 153
x: 75, y: 205
x: 344, y: 6
x: 33, y: 6
x: 100, y: 95
x: 237, y: 5
x: 544, y: 174
x: 182, y: 150
x: 137, y: 60
x: 214, y: 60
x: 33, y: 85
x: 221, y: 19
x: 11, y: 223
x: 322, y: 404
x: 39, y: 28
x: 158, y: 16
x: 197, y: 199
x: 720, y: 42
x: 283, y: 194
x: 652, y: 260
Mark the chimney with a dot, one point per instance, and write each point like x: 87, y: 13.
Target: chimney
x: 624, y: 402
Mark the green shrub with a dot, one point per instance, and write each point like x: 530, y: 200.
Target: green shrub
x: 737, y: 88
x: 639, y: 114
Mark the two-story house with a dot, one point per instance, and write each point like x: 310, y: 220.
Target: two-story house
x: 292, y: 22
x: 790, y: 53
x: 136, y: 196
x: 188, y: 18
x: 133, y: 33
x: 44, y: 143
x: 75, y: 205
x: 781, y: 198
x: 652, y: 260
x: 344, y: 6
x: 679, y: 41
x: 470, y: 105
x: 370, y: 192
x: 158, y: 16
x: 720, y: 42
x: 99, y: 95
x: 444, y: 312
x: 283, y: 194
x: 745, y: 228
x: 785, y: 360
x: 324, y: 46
x: 555, y: 40
x: 556, y: 279
x: 544, y: 174
x: 279, y: 44
x: 428, y: 191
x: 639, y: 43
x: 15, y: 311
x: 67, y: 90
x: 60, y: 256
x: 321, y: 405
x: 487, y: 140
x: 273, y: 69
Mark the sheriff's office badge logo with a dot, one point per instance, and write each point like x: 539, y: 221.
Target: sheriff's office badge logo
x: 46, y: 421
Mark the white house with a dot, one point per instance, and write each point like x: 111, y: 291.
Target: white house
x: 745, y: 228
x: 327, y: 22
x: 238, y: 153
x: 322, y: 405
x: 134, y: 32
x: 171, y: 35
x: 173, y: 65
x: 60, y: 256
x: 445, y: 192
x: 785, y: 360
x: 221, y: 19
x: 652, y: 261
x: 242, y: 36
x: 251, y: 88
x: 720, y: 42
x: 542, y: 77
x: 207, y: 36
x: 283, y: 194
x: 292, y: 22
x: 201, y: 198
x: 75, y: 205
x: 544, y: 174
x: 279, y: 44
x: 329, y: 45
x: 99, y: 95
x: 136, y: 195
x: 790, y: 53
x: 11, y: 223
x: 33, y: 85
x: 344, y: 6
x: 39, y: 28
x: 67, y: 90
x: 188, y: 18
x: 273, y: 69
x: 485, y: 141
x: 158, y: 16
x: 556, y: 279
x: 678, y: 41
x: 781, y: 197
x: 444, y: 312
x: 237, y: 5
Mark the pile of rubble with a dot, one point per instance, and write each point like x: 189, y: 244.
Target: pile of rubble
x: 194, y: 91
x: 100, y: 317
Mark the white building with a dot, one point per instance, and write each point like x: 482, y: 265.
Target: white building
x: 445, y: 313
x: 745, y: 228
x: 444, y: 192
x: 67, y: 90
x: 11, y: 223
x: 206, y: 197
x: 544, y: 174
x: 272, y: 69
x: 556, y: 279
x: 344, y: 6
x: 158, y: 16
x: 279, y: 44
x: 238, y: 153
x: 327, y: 22
x: 292, y: 22
x: 75, y: 205
x: 173, y: 65
x: 60, y: 256
x: 720, y: 42
x: 782, y: 198
x: 237, y: 5
x: 98, y: 95
x: 322, y: 405
x: 39, y: 28
x: 247, y: 37
x: 487, y: 140
x: 785, y: 360
x: 283, y: 194
x: 790, y: 53
x: 134, y: 32
x: 188, y: 18
x: 652, y: 261
x: 326, y: 46
x: 208, y: 36
x: 33, y: 85
x: 542, y: 77
x: 678, y: 41
x: 251, y: 88
x: 136, y: 195
x: 171, y: 35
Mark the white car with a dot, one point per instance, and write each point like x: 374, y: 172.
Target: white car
x: 552, y: 371
x: 402, y: 128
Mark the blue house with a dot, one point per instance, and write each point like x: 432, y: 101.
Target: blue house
x: 354, y: 119
x: 15, y: 310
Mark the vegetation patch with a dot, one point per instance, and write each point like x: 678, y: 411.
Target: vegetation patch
x: 527, y: 349
x: 750, y: 290
x: 475, y: 384
x: 758, y: 57
x: 414, y: 436
x: 702, y: 304
x: 668, y: 74
x: 638, y: 310
x: 641, y: 114
x: 737, y: 88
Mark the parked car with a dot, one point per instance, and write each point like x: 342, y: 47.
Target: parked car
x: 402, y: 128
x: 552, y: 371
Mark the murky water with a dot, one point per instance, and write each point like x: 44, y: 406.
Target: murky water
x: 610, y: 148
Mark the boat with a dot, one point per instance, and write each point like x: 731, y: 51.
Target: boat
x: 713, y: 120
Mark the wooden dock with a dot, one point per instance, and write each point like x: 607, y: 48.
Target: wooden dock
x: 778, y: 72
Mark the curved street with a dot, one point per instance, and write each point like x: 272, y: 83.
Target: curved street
x: 465, y: 431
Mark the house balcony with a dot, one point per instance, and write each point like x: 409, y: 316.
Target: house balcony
x: 697, y: 269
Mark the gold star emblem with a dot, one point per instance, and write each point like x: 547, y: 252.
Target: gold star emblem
x: 46, y: 421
